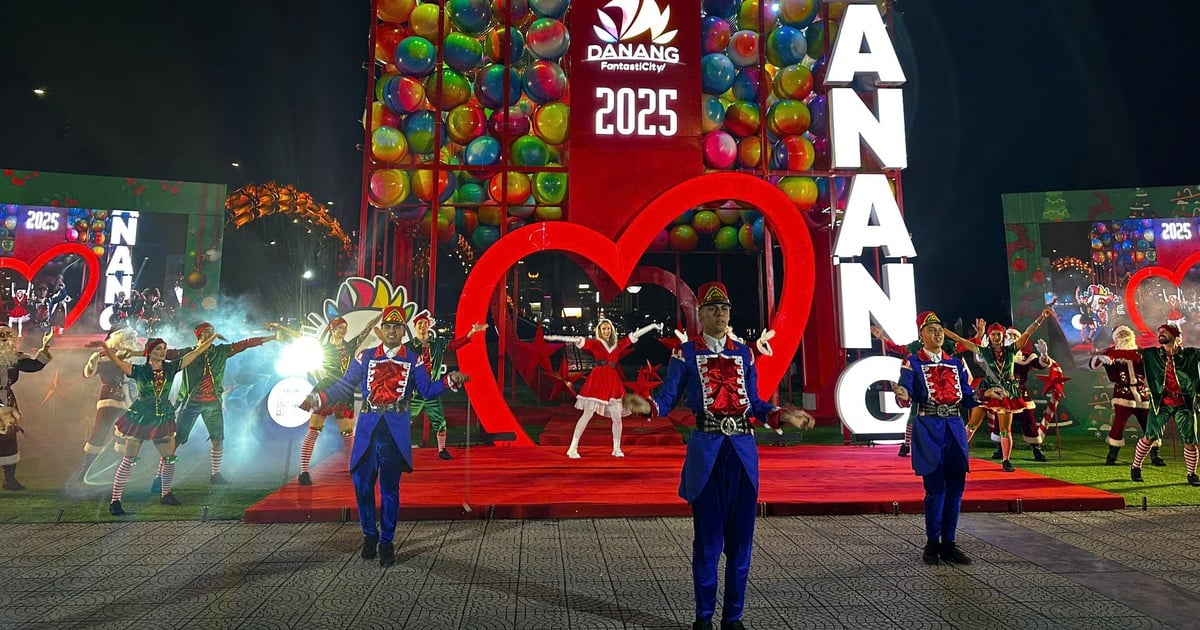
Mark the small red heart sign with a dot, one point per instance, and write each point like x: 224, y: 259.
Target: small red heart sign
x: 1175, y: 276
x: 91, y: 278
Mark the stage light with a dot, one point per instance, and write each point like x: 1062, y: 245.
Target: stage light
x: 308, y: 274
x: 234, y: 164
x: 329, y: 203
x: 40, y: 92
x: 271, y: 243
x: 635, y: 289
x: 300, y: 357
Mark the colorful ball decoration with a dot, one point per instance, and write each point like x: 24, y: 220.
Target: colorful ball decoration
x: 489, y: 86
x: 489, y: 213
x: 470, y: 16
x: 482, y: 151
x: 415, y: 56
x: 513, y: 190
x: 548, y: 213
x: 550, y: 188
x: 742, y: 49
x: 547, y: 38
x: 758, y: 231
x: 792, y: 153
x: 818, y: 109
x: 484, y: 236
x: 726, y: 238
x: 462, y: 52
x: 721, y: 8
x: 795, y: 82
x: 388, y: 187
x: 746, y: 238
x: 470, y: 194
x: 749, y: 152
x: 661, y: 241
x: 465, y: 123
x: 745, y: 84
x: 403, y: 95
x: 714, y: 113
x: 511, y: 12
x: 544, y: 81
x: 529, y: 150
x: 742, y: 118
x: 716, y: 73
x: 753, y: 16
x: 683, y: 238
x: 550, y: 122
x: 388, y: 145
x: 494, y: 45
x: 509, y: 122
x: 424, y: 184
x: 706, y: 222
x: 418, y: 129
x: 786, y: 46
x: 396, y: 11
x: 720, y: 149
x: 787, y: 117
x: 801, y: 190
x: 424, y: 21
x: 455, y: 89
x: 549, y: 8
x: 714, y: 34
x: 685, y: 218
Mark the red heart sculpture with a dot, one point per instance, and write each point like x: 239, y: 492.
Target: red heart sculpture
x: 619, y: 259
x: 91, y: 280
x: 1175, y: 275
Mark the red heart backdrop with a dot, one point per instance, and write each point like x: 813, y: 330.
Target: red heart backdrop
x: 619, y: 259
x: 1175, y: 275
x: 91, y: 280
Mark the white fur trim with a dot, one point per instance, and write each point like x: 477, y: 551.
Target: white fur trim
x: 92, y: 450
x: 1125, y: 402
x: 1112, y: 442
x: 109, y: 403
x: 606, y: 408
x: 10, y: 459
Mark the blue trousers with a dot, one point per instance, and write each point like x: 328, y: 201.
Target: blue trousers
x: 944, y: 490
x: 723, y: 517
x: 382, y: 461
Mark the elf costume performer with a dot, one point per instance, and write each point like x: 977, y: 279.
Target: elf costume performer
x: 1000, y: 384
x: 602, y: 391
x: 337, y: 352
x: 151, y: 416
x: 201, y: 392
x: 12, y: 363
x: 432, y: 351
x: 720, y: 470
x: 1171, y: 374
x: 1125, y: 369
x: 386, y: 376
x: 1029, y: 357
x: 938, y: 388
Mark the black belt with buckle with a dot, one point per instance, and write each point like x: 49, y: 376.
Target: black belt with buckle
x: 725, y: 425
x: 396, y: 407
x: 940, y: 411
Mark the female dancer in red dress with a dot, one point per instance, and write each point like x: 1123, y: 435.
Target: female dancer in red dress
x: 604, y: 387
x: 18, y: 315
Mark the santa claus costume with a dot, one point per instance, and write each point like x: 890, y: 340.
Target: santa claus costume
x: 1123, y: 365
x: 18, y: 314
x: 602, y: 391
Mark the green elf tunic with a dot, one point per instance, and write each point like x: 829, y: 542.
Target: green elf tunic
x: 998, y: 365
x: 151, y: 416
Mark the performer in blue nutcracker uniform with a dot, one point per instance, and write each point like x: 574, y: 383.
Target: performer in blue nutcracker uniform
x: 938, y: 386
x: 387, y: 376
x: 720, y: 470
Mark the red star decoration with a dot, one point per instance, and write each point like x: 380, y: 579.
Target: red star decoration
x: 530, y: 355
x: 1054, y: 380
x: 564, y: 380
x: 647, y: 380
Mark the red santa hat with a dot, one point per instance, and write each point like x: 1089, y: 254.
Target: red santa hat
x: 336, y: 322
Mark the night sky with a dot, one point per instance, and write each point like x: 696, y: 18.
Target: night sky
x: 1002, y: 97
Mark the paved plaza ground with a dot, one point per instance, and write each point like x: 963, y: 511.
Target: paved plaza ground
x: 1088, y: 570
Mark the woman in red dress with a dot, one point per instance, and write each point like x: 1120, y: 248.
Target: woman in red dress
x: 18, y: 315
x: 602, y: 391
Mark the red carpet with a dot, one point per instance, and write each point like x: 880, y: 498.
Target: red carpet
x: 540, y: 482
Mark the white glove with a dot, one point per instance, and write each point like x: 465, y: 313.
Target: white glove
x: 764, y: 342
x: 1041, y: 346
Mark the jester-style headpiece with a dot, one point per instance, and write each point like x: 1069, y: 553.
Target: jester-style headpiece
x: 392, y: 315
x: 927, y: 318
x: 357, y: 302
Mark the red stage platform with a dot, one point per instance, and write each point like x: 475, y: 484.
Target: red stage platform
x: 540, y: 482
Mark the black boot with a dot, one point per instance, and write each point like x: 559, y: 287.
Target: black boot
x: 10, y: 478
x: 1135, y: 474
x: 444, y: 454
x: 1038, y: 455
x: 1155, y: 458
x: 904, y: 449
x: 931, y: 553
x: 998, y: 454
x: 370, y: 547
x: 114, y: 508
x: 701, y: 624
x: 1111, y: 460
x: 387, y: 555
x: 951, y: 553
x: 1007, y: 466
x: 305, y: 479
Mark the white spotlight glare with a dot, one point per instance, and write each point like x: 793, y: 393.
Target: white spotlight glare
x: 300, y: 357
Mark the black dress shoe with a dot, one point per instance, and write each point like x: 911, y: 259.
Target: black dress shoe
x: 169, y: 499
x: 951, y: 553
x: 387, y: 555
x: 1193, y: 480
x: 1111, y: 459
x: 904, y: 449
x: 733, y: 625
x: 931, y: 553
x: 217, y: 480
x: 1135, y: 474
x: 370, y: 543
x: 305, y: 479
x: 444, y: 454
x: 1007, y: 466
x: 1038, y: 455
x: 1155, y: 458
x: 700, y: 624
x: 997, y: 454
x: 156, y: 486
x: 114, y: 508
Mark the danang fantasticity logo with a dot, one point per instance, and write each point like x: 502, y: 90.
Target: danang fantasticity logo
x: 639, y: 20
